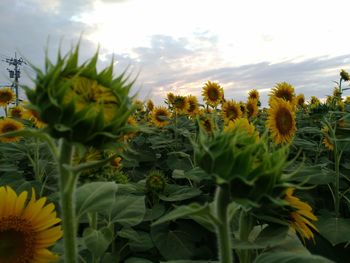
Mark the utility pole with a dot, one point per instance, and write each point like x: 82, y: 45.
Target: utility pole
x: 15, y: 73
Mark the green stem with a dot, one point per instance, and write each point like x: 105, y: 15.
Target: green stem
x: 223, y: 230
x: 337, y: 180
x: 245, y: 227
x: 67, y: 182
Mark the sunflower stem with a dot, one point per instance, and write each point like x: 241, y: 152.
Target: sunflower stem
x: 223, y: 230
x: 245, y: 227
x: 67, y: 183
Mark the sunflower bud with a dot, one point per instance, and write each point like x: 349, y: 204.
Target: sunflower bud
x: 78, y: 103
x: 155, y: 181
x: 344, y: 75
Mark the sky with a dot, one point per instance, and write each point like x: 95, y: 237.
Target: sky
x: 178, y: 45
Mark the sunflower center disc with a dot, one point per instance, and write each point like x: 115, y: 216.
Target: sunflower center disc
x: 213, y: 94
x: 17, y: 241
x: 284, y: 121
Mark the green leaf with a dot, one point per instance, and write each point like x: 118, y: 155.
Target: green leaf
x: 137, y: 260
x: 182, y: 211
x: 138, y: 240
x: 289, y: 257
x: 189, y: 261
x: 174, y: 193
x: 97, y: 241
x: 173, y: 244
x: 95, y: 197
x: 336, y: 230
x: 127, y: 210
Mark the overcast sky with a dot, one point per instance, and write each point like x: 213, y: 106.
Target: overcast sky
x: 177, y: 45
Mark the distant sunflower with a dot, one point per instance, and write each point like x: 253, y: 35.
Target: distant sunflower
x: 252, y: 108
x: 170, y: 98
x: 347, y: 100
x: 212, y: 93
x: 17, y: 112
x: 207, y: 123
x: 314, y: 101
x: 300, y: 100
x: 242, y: 124
x: 10, y: 125
x: 33, y: 116
x: 6, y: 96
x: 281, y: 121
x: 327, y: 139
x: 254, y: 94
x: 180, y: 104
x: 230, y: 111
x: 159, y: 116
x: 27, y: 230
x: 139, y: 105
x: 243, y: 107
x: 283, y: 90
x: 150, y: 105
x: 133, y: 123
x: 193, y: 107
x: 301, y: 217
x: 116, y: 162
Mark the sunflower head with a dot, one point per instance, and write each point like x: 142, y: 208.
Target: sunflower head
x: 230, y: 111
x: 150, y: 105
x: 10, y: 125
x: 252, y: 108
x: 170, y: 98
x: 281, y: 121
x: 6, y: 96
x: 344, y: 75
x: 212, y: 93
x: 27, y: 229
x: 347, y: 100
x: 283, y: 90
x: 300, y: 100
x: 242, y: 125
x: 327, y: 141
x: 155, y: 181
x: 17, y: 112
x: 301, y: 216
x: 193, y: 106
x: 180, y: 104
x: 254, y: 94
x: 160, y: 116
x: 206, y: 123
x: 117, y: 162
x: 243, y: 107
x: 80, y: 104
x: 314, y: 101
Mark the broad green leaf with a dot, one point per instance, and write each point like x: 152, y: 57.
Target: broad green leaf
x: 336, y: 230
x: 189, y: 261
x: 97, y: 241
x: 174, y: 193
x: 127, y: 210
x: 95, y: 197
x: 137, y: 260
x: 138, y: 240
x: 182, y: 211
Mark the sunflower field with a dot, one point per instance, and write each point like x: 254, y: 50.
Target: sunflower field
x: 89, y: 173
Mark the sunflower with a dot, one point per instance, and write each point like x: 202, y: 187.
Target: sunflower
x: 207, y: 123
x: 242, y: 124
x: 230, y: 111
x: 170, y: 98
x: 254, y: 94
x: 344, y: 75
x: 212, y: 93
x: 6, y: 96
x: 327, y: 139
x: 150, y: 105
x: 159, y: 116
x: 180, y: 104
x: 10, y: 125
x: 314, y: 101
x: 242, y: 107
x: 33, y: 116
x: 252, y: 108
x: 300, y: 100
x: 116, y: 162
x: 193, y: 107
x: 132, y: 122
x: 281, y: 121
x: 301, y: 216
x: 27, y: 230
x: 347, y: 100
x: 283, y: 90
x: 17, y: 112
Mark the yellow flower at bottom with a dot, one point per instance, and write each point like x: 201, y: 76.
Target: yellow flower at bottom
x: 301, y: 217
x: 281, y: 121
x: 27, y: 230
x: 10, y: 125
